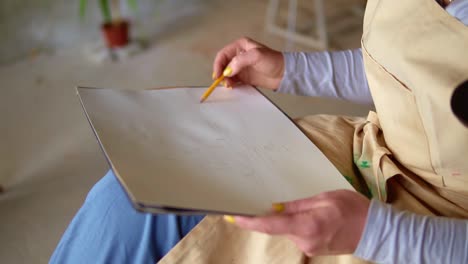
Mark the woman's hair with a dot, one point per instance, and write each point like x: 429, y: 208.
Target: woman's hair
x: 459, y: 102
x: 443, y: 3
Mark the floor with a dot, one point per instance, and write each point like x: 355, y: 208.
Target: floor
x: 49, y: 157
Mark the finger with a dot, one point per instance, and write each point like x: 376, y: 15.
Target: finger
x: 231, y: 81
x: 271, y: 224
x: 302, y: 205
x: 309, y: 224
x: 235, y: 81
x: 242, y: 61
x: 224, y: 56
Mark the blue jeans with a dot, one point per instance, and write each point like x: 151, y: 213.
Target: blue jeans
x: 107, y: 229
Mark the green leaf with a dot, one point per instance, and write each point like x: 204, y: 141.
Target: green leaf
x: 83, y: 4
x: 105, y: 10
x: 132, y: 4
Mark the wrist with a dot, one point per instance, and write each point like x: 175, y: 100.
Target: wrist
x: 281, y: 70
x: 377, y: 232
x: 284, y: 80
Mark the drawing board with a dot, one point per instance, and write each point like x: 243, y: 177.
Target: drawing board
x: 236, y: 153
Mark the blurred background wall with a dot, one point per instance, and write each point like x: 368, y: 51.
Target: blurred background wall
x: 29, y: 26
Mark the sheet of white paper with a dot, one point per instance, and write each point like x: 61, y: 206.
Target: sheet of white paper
x: 235, y: 153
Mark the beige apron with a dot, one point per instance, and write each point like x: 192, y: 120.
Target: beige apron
x: 412, y: 153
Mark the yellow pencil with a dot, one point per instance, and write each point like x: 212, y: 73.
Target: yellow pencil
x: 211, y: 89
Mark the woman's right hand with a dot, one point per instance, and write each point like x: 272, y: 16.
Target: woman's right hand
x: 246, y: 61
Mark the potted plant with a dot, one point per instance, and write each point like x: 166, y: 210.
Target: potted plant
x: 115, y: 29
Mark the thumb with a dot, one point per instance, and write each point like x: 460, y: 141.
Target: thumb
x: 241, y: 61
x: 306, y: 204
x: 269, y: 224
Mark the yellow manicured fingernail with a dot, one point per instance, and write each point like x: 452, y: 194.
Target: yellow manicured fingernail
x: 213, y: 76
x: 227, y: 71
x: 229, y: 219
x: 278, y: 207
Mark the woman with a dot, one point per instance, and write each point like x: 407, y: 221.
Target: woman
x: 410, y: 154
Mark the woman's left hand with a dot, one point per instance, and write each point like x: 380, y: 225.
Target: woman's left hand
x: 325, y: 224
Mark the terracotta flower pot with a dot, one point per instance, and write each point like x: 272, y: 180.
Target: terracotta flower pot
x: 116, y: 33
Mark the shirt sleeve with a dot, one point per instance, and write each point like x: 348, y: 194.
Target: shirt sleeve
x: 392, y: 236
x: 333, y: 74
x: 459, y: 10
